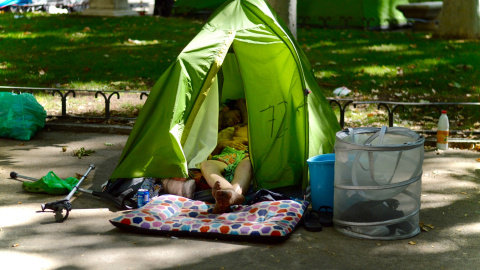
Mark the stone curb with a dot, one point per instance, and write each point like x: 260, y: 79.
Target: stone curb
x: 89, y: 128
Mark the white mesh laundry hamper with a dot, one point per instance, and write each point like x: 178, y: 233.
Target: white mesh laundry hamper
x: 377, y: 184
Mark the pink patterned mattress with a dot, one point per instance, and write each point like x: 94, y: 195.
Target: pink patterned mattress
x: 178, y: 216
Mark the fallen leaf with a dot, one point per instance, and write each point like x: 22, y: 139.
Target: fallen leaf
x: 412, y: 243
x: 454, y: 84
x: 82, y: 152
x: 400, y: 71
x: 79, y: 176
x: 464, y: 67
x: 64, y: 149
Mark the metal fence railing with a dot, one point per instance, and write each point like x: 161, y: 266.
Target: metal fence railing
x: 65, y: 93
x: 392, y: 107
x: 343, y: 105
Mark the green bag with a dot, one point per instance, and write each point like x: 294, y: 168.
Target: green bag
x: 21, y: 116
x: 51, y: 184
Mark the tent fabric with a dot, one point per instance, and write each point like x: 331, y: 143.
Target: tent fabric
x: 289, y: 118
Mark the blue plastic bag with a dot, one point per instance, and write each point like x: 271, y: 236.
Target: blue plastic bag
x: 21, y: 116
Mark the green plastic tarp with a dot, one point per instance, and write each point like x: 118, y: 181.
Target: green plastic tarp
x: 21, y: 116
x: 51, y: 184
x: 289, y: 118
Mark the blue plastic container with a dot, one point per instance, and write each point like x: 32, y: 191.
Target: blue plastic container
x: 322, y: 175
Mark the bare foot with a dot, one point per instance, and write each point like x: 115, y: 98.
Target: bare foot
x: 224, y: 198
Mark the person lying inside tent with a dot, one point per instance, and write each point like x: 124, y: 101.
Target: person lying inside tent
x: 234, y: 113
x: 229, y: 171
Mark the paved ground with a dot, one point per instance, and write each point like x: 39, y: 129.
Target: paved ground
x: 86, y: 240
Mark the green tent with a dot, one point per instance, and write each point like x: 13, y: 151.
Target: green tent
x: 289, y: 119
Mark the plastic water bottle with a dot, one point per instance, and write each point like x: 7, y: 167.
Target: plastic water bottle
x: 443, y: 131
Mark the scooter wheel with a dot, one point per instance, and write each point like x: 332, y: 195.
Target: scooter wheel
x: 61, y: 214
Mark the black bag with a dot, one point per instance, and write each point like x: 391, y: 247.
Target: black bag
x: 121, y: 192
x: 263, y: 195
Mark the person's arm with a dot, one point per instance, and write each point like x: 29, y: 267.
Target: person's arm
x: 230, y: 143
x: 226, y: 138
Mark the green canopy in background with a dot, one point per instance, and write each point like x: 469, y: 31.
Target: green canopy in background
x: 330, y: 13
x: 188, y: 6
x: 350, y: 13
x: 289, y: 118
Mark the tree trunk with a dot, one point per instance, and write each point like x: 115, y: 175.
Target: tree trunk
x: 287, y: 10
x: 163, y: 8
x: 459, y: 19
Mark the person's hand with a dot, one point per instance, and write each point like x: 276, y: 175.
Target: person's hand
x: 242, y: 140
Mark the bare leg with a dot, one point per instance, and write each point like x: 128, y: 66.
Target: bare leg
x: 212, y: 171
x: 225, y: 193
x: 243, y: 176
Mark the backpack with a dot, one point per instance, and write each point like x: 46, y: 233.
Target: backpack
x: 122, y: 192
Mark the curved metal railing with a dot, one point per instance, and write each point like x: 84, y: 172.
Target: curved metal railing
x: 343, y: 105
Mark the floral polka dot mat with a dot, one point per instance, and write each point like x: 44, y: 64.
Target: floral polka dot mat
x: 179, y: 216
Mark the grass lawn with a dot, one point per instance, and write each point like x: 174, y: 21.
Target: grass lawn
x: 130, y: 53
